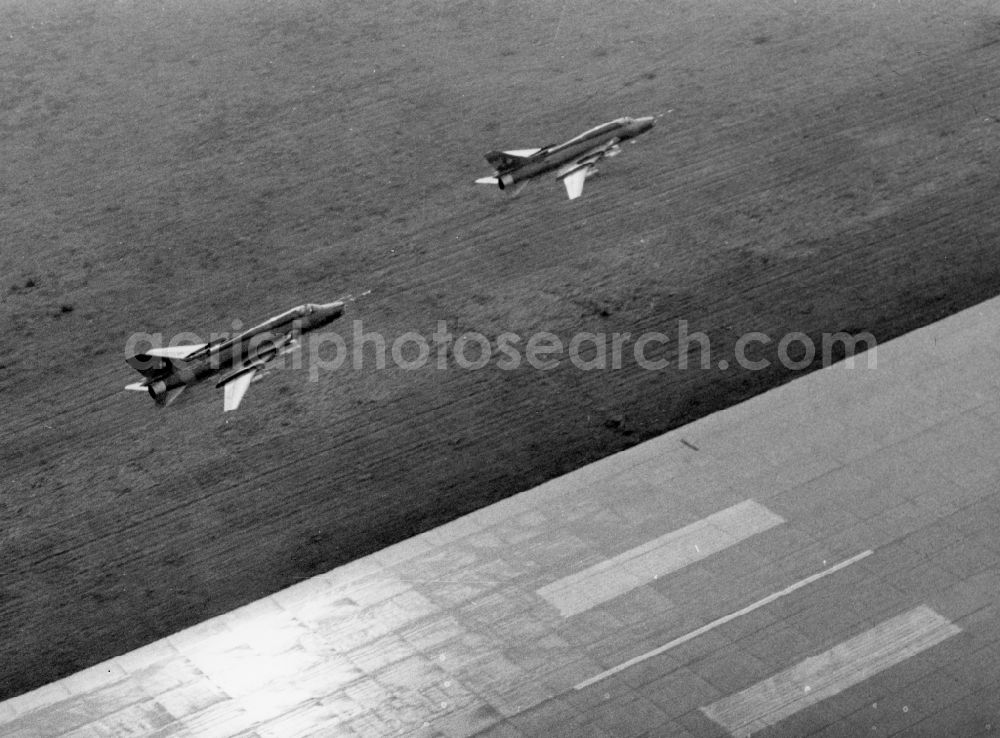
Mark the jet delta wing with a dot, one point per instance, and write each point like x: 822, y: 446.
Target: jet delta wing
x: 236, y: 383
x: 574, y: 182
x: 236, y: 387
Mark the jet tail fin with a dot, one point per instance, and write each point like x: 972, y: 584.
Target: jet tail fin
x: 504, y: 161
x: 149, y: 366
x: 158, y: 362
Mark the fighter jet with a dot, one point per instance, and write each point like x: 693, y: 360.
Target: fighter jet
x: 239, y: 359
x: 572, y: 161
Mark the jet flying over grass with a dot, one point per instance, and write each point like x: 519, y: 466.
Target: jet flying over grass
x: 572, y: 161
x: 237, y: 360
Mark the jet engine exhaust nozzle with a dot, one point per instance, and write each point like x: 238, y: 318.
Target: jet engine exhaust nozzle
x: 158, y: 391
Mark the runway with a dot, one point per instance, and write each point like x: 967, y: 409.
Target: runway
x: 820, y: 560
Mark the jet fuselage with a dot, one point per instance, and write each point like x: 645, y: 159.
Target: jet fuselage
x: 555, y: 157
x: 259, y: 343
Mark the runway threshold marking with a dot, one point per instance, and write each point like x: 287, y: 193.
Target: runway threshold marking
x: 819, y: 677
x: 619, y: 574
x: 723, y: 620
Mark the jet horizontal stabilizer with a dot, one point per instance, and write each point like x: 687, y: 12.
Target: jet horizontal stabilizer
x: 522, y: 153
x: 137, y: 387
x: 175, y: 352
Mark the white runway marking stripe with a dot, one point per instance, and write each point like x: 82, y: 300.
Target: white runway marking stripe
x: 613, y: 577
x: 723, y: 620
x: 818, y: 677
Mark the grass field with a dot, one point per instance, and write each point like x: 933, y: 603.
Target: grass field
x: 177, y: 166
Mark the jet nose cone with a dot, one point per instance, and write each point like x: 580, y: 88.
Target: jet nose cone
x: 645, y: 123
x: 330, y: 311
